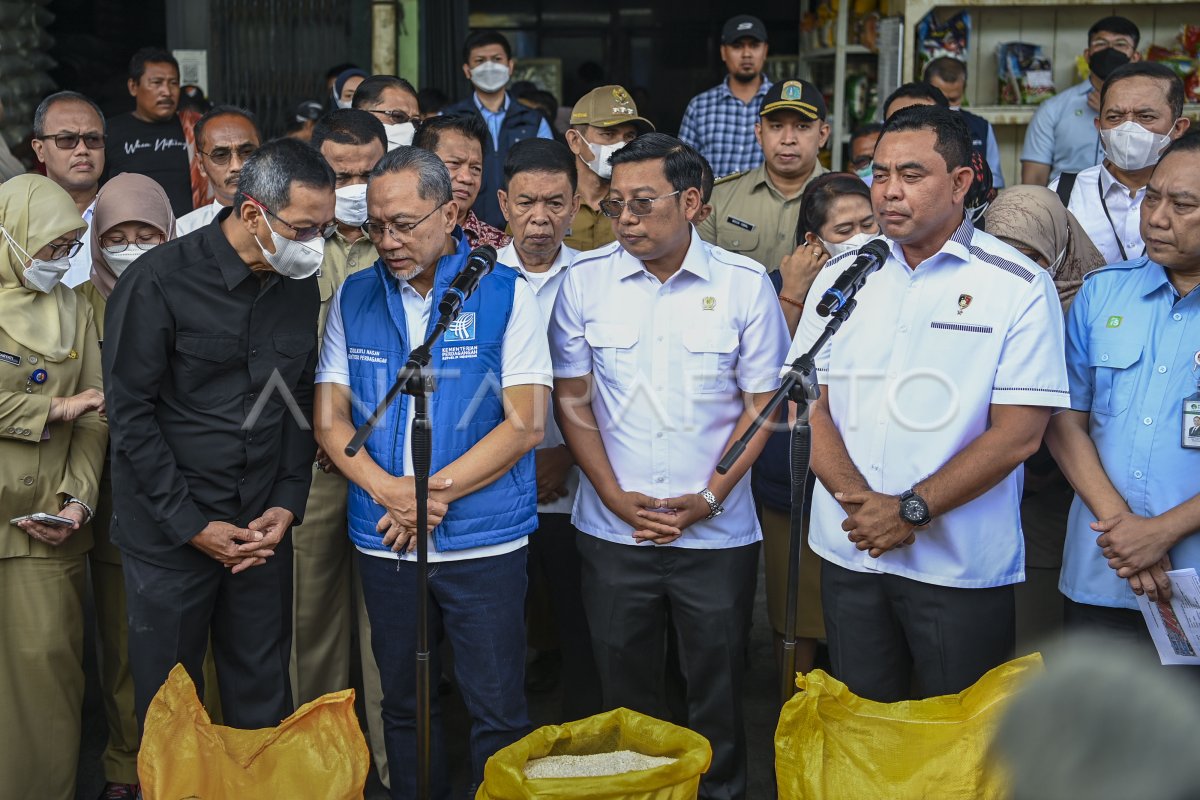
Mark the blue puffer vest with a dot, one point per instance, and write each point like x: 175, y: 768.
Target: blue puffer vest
x: 466, y: 406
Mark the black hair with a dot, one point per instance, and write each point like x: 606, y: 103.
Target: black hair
x: 540, y: 155
x: 683, y: 166
x: 371, y: 89
x: 545, y: 103
x: 483, y: 39
x: 223, y: 111
x: 432, y: 100
x: 946, y: 68
x: 820, y: 195
x: 338, y: 69
x: 149, y: 55
x: 269, y: 173
x: 348, y: 126
x: 953, y: 140
x: 431, y: 130
x: 1149, y: 69
x: 866, y: 130
x: 191, y: 98
x: 706, y: 180
x: 1118, y: 25
x: 39, y: 116
x: 917, y: 90
x: 1188, y: 143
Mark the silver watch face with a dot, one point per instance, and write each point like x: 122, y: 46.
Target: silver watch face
x: 912, y: 510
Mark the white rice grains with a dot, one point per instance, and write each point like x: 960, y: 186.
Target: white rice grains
x: 593, y: 766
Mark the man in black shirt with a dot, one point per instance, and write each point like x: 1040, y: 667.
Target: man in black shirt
x: 208, y: 372
x: 150, y: 140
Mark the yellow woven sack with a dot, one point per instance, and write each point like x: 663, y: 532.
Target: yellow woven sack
x: 319, y: 751
x: 830, y: 743
x: 622, y: 729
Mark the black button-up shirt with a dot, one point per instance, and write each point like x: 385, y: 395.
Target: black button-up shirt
x: 208, y: 381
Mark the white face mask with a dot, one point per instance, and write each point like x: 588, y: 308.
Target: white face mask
x: 342, y: 104
x: 1131, y: 147
x: 350, y: 204
x: 293, y: 259
x: 40, y: 276
x: 121, y: 261
x: 866, y: 171
x: 856, y: 241
x: 601, y: 152
x: 1053, y: 268
x: 400, y: 135
x: 490, y: 76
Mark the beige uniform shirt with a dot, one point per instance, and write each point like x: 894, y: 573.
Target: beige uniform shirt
x: 751, y: 218
x: 342, y: 259
x: 590, y: 229
x: 42, y: 464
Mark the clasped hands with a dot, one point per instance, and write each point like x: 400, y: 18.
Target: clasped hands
x: 239, y: 549
x: 1136, y: 547
x: 874, y: 523
x: 659, y: 521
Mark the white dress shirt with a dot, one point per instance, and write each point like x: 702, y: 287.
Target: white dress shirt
x: 911, y: 376
x: 671, y: 362
x: 545, y: 286
x: 194, y: 220
x: 524, y: 359
x: 1125, y: 211
x: 81, y: 262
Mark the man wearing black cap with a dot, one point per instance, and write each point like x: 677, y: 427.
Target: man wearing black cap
x: 719, y: 122
x: 755, y: 212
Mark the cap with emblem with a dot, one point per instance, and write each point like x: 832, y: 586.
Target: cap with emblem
x: 743, y: 26
x: 607, y: 106
x: 794, y: 95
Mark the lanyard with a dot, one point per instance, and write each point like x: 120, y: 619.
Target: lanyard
x: 1108, y: 216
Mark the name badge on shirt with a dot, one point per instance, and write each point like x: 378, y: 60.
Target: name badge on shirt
x: 1191, y: 423
x: 741, y: 223
x: 9, y: 358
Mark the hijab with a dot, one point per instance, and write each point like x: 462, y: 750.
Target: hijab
x: 1035, y: 216
x: 129, y: 197
x: 340, y: 82
x: 35, y: 211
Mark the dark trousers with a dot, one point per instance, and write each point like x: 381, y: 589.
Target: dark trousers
x: 1122, y: 625
x: 172, y: 611
x: 890, y: 636
x: 628, y: 592
x: 479, y: 604
x: 552, y: 549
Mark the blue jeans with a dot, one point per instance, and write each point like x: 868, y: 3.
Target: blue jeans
x: 479, y: 604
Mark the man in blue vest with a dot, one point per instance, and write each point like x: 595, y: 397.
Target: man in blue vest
x: 488, y: 65
x: 488, y: 412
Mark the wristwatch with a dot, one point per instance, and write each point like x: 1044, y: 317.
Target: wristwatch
x: 914, y: 510
x: 87, y: 510
x: 715, y: 509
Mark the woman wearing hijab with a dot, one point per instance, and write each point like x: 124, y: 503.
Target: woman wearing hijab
x: 133, y: 215
x: 1033, y: 220
x: 343, y: 88
x: 52, y: 441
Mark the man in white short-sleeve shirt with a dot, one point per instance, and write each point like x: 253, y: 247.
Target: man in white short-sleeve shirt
x: 933, y: 393
x: 492, y: 371
x: 664, y: 348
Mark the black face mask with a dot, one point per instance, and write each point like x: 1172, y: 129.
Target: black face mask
x: 1102, y: 63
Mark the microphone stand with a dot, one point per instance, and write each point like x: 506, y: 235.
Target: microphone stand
x: 413, y: 381
x: 799, y: 386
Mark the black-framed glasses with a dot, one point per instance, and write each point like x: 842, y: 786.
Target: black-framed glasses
x: 121, y: 245
x: 65, y: 250
x: 399, y: 231
x: 638, y: 206
x: 223, y: 155
x: 396, y: 116
x: 69, y: 141
x: 305, y: 234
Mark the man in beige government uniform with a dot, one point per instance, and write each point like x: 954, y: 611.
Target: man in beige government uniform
x: 754, y: 213
x: 326, y: 596
x: 602, y: 122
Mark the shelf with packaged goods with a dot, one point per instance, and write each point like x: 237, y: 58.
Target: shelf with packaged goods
x: 1021, y: 115
x: 831, y: 52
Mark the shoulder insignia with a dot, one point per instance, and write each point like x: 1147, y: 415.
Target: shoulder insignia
x: 730, y: 177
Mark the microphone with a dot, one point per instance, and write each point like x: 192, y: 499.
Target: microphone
x: 870, y: 258
x: 480, y: 262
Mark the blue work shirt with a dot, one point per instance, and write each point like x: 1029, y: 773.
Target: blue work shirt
x: 495, y: 119
x: 1131, y: 348
x: 1063, y: 133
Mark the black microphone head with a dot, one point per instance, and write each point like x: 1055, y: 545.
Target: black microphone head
x: 486, y: 255
x: 876, y: 248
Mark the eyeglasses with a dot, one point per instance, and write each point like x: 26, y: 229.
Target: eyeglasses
x: 306, y: 234
x: 121, y: 245
x: 1124, y: 45
x: 399, y: 231
x: 69, y: 141
x: 638, y: 206
x: 222, y: 155
x: 397, y: 116
x: 65, y: 250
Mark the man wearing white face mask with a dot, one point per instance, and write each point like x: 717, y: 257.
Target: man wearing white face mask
x: 602, y: 122
x: 209, y: 357
x: 393, y: 101
x: 488, y: 65
x: 1141, y: 112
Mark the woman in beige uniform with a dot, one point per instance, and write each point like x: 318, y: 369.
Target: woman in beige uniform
x: 133, y: 214
x: 52, y: 441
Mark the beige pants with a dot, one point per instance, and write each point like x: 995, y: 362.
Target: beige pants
x: 41, y: 675
x: 326, y: 599
x: 810, y: 622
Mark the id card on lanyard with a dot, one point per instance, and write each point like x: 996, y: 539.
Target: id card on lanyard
x: 1190, y: 429
x: 1111, y: 224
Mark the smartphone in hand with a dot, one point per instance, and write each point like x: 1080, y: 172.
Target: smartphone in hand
x: 53, y: 520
